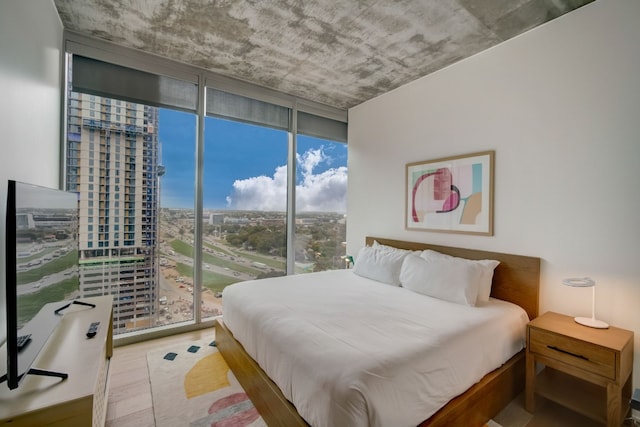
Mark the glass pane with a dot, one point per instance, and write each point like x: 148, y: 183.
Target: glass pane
x: 114, y: 163
x: 176, y: 180
x: 321, y: 204
x: 245, y: 198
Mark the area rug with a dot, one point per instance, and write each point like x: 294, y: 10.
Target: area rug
x: 192, y: 385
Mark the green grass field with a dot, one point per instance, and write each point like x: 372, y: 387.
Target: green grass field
x: 55, y: 266
x: 29, y: 305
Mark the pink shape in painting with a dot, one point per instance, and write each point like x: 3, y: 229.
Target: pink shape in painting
x: 435, y: 192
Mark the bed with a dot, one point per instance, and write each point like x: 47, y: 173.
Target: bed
x: 514, y: 280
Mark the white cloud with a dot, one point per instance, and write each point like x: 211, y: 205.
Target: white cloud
x: 322, y: 192
x: 260, y: 193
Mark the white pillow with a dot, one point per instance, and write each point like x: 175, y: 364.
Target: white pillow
x: 380, y: 264
x: 487, y: 265
x: 447, y: 279
x: 380, y: 246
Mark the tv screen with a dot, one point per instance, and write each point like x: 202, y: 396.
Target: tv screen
x: 41, y: 268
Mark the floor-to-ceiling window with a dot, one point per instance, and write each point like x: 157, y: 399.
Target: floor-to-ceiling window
x: 321, y: 194
x: 180, y: 197
x: 130, y: 238
x: 176, y: 222
x: 246, y: 187
x: 244, y: 206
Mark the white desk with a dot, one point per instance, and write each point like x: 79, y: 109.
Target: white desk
x: 79, y: 400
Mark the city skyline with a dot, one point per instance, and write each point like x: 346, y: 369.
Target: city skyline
x: 232, y: 181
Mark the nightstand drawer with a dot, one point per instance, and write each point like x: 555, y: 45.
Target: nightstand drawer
x: 583, y: 355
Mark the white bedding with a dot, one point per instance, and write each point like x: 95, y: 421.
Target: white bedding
x: 350, y: 351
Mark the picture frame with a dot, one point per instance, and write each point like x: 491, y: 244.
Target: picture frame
x: 451, y: 194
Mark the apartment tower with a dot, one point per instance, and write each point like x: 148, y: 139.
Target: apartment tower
x: 112, y: 162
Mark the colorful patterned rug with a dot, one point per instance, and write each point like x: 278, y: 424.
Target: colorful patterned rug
x: 192, y: 385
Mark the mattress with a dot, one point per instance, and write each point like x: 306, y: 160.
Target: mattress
x: 350, y: 351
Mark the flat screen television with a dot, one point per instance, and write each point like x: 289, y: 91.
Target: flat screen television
x: 41, y: 270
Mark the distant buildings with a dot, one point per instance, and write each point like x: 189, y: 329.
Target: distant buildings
x: 112, y: 161
x: 233, y: 220
x: 216, y: 219
x: 25, y: 221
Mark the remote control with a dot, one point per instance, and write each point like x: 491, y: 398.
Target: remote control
x: 23, y: 340
x: 93, y: 330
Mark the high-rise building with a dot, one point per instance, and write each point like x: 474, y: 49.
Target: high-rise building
x: 112, y: 162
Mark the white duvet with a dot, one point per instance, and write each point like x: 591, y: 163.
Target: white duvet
x: 350, y: 351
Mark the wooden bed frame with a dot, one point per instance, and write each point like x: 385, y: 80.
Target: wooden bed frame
x: 516, y: 280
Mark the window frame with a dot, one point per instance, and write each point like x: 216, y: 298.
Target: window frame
x: 95, y: 49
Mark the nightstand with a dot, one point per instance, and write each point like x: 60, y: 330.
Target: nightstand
x: 585, y: 369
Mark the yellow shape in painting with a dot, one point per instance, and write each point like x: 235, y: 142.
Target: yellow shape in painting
x: 472, y: 209
x: 207, y: 375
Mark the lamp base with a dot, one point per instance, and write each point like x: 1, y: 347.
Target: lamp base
x: 591, y: 322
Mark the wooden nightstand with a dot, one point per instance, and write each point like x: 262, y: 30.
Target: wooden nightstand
x: 586, y: 370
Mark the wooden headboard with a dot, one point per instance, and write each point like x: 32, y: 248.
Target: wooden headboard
x: 516, y: 279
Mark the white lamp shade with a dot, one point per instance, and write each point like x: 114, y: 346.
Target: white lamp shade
x: 580, y: 282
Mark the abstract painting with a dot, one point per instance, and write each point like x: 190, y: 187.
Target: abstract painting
x: 453, y: 194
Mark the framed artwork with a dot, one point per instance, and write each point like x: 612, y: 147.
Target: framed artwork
x: 453, y: 194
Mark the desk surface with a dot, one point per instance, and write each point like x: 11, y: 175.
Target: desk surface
x: 69, y: 351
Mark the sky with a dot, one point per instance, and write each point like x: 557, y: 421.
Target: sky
x: 37, y: 197
x: 245, y: 167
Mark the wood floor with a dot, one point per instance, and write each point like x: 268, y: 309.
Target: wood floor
x: 130, y: 402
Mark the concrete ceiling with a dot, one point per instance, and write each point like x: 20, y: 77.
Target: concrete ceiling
x: 340, y: 53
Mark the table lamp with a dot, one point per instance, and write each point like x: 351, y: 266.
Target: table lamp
x: 587, y: 282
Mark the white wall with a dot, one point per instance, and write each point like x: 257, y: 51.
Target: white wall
x: 30, y: 70
x: 560, y: 105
